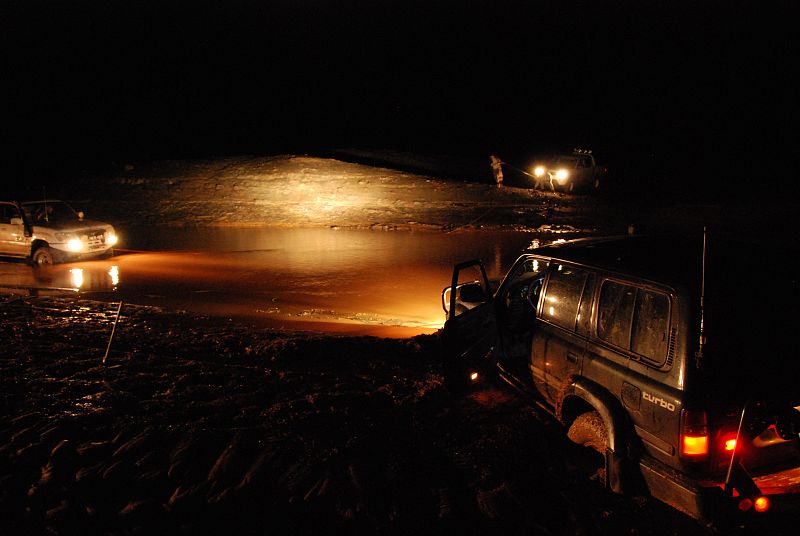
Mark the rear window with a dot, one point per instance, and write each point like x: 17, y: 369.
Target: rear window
x: 634, y: 319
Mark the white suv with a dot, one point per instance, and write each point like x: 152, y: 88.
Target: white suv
x: 569, y: 172
x: 47, y: 232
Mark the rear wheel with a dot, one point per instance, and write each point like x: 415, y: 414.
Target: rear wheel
x: 43, y: 256
x: 589, y: 431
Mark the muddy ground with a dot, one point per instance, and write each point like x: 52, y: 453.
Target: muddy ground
x: 198, y: 425
x: 203, y: 425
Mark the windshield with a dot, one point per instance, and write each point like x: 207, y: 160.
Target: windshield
x: 49, y: 212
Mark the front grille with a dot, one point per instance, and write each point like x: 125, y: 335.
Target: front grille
x: 95, y: 239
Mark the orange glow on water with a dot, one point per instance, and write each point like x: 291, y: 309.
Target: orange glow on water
x: 380, y: 283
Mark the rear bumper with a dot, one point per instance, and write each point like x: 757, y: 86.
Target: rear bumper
x: 707, y: 502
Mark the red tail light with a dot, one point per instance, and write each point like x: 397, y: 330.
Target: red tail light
x: 694, y: 435
x: 761, y: 504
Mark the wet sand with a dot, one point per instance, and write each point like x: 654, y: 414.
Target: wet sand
x: 198, y: 425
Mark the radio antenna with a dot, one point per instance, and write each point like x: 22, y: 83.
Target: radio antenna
x: 702, y: 342
x: 44, y: 198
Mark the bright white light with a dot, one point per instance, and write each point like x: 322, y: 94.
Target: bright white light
x: 562, y: 175
x: 113, y: 273
x: 111, y: 239
x: 74, y: 244
x: 539, y: 171
x: 77, y: 277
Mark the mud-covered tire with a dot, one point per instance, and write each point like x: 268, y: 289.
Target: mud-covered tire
x: 43, y: 256
x: 588, y: 430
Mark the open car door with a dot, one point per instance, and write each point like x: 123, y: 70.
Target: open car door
x: 470, y: 332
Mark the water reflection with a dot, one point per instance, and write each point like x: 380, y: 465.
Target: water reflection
x: 356, y: 281
x: 86, y: 277
x: 94, y: 278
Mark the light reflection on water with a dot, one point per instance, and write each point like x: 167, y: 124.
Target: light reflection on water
x: 360, y: 280
x: 308, y: 250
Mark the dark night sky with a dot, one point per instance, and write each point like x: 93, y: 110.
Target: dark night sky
x: 656, y: 86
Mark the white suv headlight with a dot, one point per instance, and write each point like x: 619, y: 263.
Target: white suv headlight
x: 74, y: 244
x: 562, y: 175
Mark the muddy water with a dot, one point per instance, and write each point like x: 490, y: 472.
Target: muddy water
x: 353, y: 281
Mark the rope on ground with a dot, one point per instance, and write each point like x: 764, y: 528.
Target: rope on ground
x: 550, y: 181
x: 471, y: 222
x: 518, y: 169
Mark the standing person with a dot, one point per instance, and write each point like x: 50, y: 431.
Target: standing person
x: 497, y: 170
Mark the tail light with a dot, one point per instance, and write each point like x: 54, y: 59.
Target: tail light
x: 694, y: 435
x: 761, y: 504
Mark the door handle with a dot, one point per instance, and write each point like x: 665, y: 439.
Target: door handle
x: 572, y: 358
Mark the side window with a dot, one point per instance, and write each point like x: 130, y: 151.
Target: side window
x: 529, y: 268
x: 520, y: 294
x: 634, y: 319
x: 563, y: 295
x: 535, y: 291
x: 615, y: 313
x: 650, y: 325
x: 7, y: 212
x: 585, y: 308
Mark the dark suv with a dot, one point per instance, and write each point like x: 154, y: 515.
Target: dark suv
x: 672, y: 357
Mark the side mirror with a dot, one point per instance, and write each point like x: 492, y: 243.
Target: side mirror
x: 16, y: 221
x: 468, y: 293
x: 472, y: 293
x: 80, y: 215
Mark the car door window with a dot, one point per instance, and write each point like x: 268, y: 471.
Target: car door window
x: 563, y: 295
x: 7, y: 212
x: 520, y: 295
